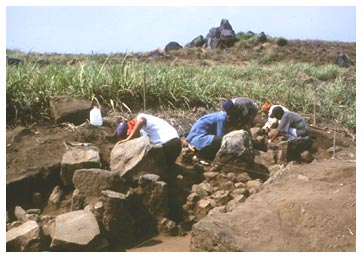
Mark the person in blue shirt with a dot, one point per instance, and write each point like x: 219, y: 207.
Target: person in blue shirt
x: 206, y: 133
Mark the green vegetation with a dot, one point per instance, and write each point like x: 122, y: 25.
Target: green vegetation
x: 118, y: 79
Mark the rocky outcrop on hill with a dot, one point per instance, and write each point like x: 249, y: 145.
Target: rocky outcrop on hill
x: 221, y: 37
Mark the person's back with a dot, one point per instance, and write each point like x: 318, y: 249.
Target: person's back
x: 158, y: 130
x: 244, y: 102
x: 248, y: 110
x: 205, y: 128
x: 293, y: 120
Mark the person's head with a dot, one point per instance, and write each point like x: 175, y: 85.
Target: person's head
x: 230, y: 109
x: 266, y: 106
x: 125, y: 128
x: 122, y: 130
x: 277, y: 112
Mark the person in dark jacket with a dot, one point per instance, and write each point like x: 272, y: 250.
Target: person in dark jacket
x: 247, y: 109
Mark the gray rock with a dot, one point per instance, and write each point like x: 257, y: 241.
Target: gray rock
x: 67, y: 109
x: 55, y: 197
x: 20, y: 214
x: 203, y: 189
x: 116, y: 218
x: 254, y: 186
x: 90, y: 182
x: 203, y: 207
x: 137, y: 157
x: 236, y: 151
x: 307, y: 157
x: 229, y: 186
x: 227, y: 37
x: 172, y: 46
x: 78, y: 200
x: 199, y: 41
x: 221, y: 197
x: 154, y: 195
x: 78, y: 158
x: 214, y: 43
x: 342, y: 60
x: 214, y: 33
x: 220, y: 209
x: 232, y: 204
x: 66, y: 239
x: 24, y: 238
x: 225, y: 25
x: 261, y: 37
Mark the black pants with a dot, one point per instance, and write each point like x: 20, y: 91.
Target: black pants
x: 172, y: 149
x: 209, y: 152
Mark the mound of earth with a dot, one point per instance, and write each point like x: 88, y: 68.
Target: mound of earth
x: 304, y: 209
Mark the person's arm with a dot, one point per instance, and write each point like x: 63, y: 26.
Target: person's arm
x: 220, y: 126
x: 274, y: 134
x: 135, y: 133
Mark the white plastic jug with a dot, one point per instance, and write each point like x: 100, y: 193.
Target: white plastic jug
x: 95, y: 117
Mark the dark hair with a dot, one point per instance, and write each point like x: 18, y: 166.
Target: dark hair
x: 277, y: 112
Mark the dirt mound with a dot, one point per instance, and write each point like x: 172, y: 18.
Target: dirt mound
x: 307, y: 208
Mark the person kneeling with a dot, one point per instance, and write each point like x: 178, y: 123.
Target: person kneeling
x: 291, y: 125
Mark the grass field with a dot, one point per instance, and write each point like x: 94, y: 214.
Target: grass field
x: 179, y: 81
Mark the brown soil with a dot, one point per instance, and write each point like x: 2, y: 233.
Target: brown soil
x: 164, y: 244
x: 33, y: 159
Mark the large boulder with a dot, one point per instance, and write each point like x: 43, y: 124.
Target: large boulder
x: 172, y: 46
x: 75, y: 231
x: 24, y: 238
x: 297, y: 211
x: 222, y: 36
x: 342, y: 60
x: 67, y: 109
x: 137, y: 157
x: 91, y: 182
x: 199, y: 41
x: 153, y: 193
x: 236, y: 152
x: 78, y: 158
x: 116, y: 219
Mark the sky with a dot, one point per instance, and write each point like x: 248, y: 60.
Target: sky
x: 113, y: 29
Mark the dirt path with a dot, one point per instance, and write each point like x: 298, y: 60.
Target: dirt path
x: 164, y: 244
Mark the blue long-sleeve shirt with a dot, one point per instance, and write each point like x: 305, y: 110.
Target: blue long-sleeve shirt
x: 204, y: 129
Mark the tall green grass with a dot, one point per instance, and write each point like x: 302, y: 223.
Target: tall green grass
x: 30, y: 86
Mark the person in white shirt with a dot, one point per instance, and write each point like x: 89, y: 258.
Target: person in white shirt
x: 158, y: 130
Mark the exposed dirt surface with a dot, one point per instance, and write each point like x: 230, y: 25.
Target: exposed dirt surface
x: 34, y: 155
x: 164, y: 244
x: 306, y: 208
